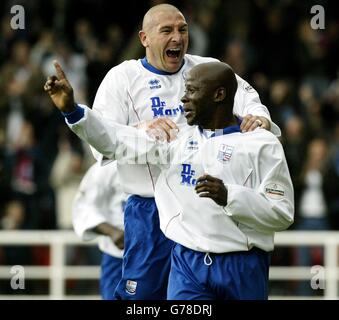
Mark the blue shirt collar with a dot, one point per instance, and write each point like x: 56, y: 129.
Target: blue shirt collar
x: 227, y: 130
x: 149, y: 67
x: 230, y: 129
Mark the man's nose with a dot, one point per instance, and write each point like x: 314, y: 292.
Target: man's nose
x: 176, y: 36
x: 184, y: 99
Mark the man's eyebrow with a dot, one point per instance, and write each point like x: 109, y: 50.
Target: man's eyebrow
x: 165, y: 27
x: 193, y: 86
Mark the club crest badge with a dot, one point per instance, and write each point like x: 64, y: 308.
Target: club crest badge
x: 225, y: 153
x: 131, y: 287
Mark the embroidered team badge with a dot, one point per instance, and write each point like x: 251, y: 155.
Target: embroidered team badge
x: 131, y: 287
x: 225, y: 153
x: 274, y: 191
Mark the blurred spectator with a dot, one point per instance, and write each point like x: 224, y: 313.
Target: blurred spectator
x: 312, y: 50
x: 29, y: 179
x: 294, y: 141
x: 43, y: 48
x: 4, y: 172
x: 311, y: 108
x: 8, y: 36
x: 133, y: 48
x: 236, y: 56
x: 14, y: 216
x: 199, y: 21
x: 272, y: 34
x: 84, y: 38
x: 13, y: 83
x: 67, y: 172
x: 102, y: 58
x: 331, y: 183
x: 313, y: 211
x: 280, y: 101
x: 313, y: 214
x: 73, y: 63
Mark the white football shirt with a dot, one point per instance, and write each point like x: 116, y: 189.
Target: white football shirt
x: 99, y: 200
x: 252, y: 166
x: 135, y: 91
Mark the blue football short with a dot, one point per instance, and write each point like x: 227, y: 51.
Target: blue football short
x: 147, y: 255
x: 230, y: 276
x: 111, y: 270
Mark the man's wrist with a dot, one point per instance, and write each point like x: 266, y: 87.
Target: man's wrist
x: 69, y: 110
x: 75, y: 115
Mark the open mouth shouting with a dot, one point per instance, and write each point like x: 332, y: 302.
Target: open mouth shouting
x: 173, y: 53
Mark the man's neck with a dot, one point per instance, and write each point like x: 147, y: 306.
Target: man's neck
x: 219, y: 123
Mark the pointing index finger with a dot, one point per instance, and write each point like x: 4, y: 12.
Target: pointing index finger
x: 60, y: 73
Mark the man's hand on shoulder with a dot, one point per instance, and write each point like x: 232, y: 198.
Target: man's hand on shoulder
x: 251, y: 122
x: 162, y: 129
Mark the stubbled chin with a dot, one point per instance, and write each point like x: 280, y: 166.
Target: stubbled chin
x: 189, y: 120
x: 173, y: 64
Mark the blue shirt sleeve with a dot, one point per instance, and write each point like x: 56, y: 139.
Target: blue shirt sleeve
x: 74, y: 116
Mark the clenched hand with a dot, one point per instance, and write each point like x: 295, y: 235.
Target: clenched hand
x: 211, y: 187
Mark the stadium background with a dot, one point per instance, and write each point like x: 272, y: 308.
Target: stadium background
x: 269, y: 43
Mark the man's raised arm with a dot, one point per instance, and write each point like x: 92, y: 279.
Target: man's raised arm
x: 114, y: 141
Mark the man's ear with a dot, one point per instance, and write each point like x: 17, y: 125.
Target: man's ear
x: 220, y: 94
x: 143, y: 38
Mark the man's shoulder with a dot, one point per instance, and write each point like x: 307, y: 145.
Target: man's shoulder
x: 194, y: 60
x: 125, y: 67
x: 260, y: 138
